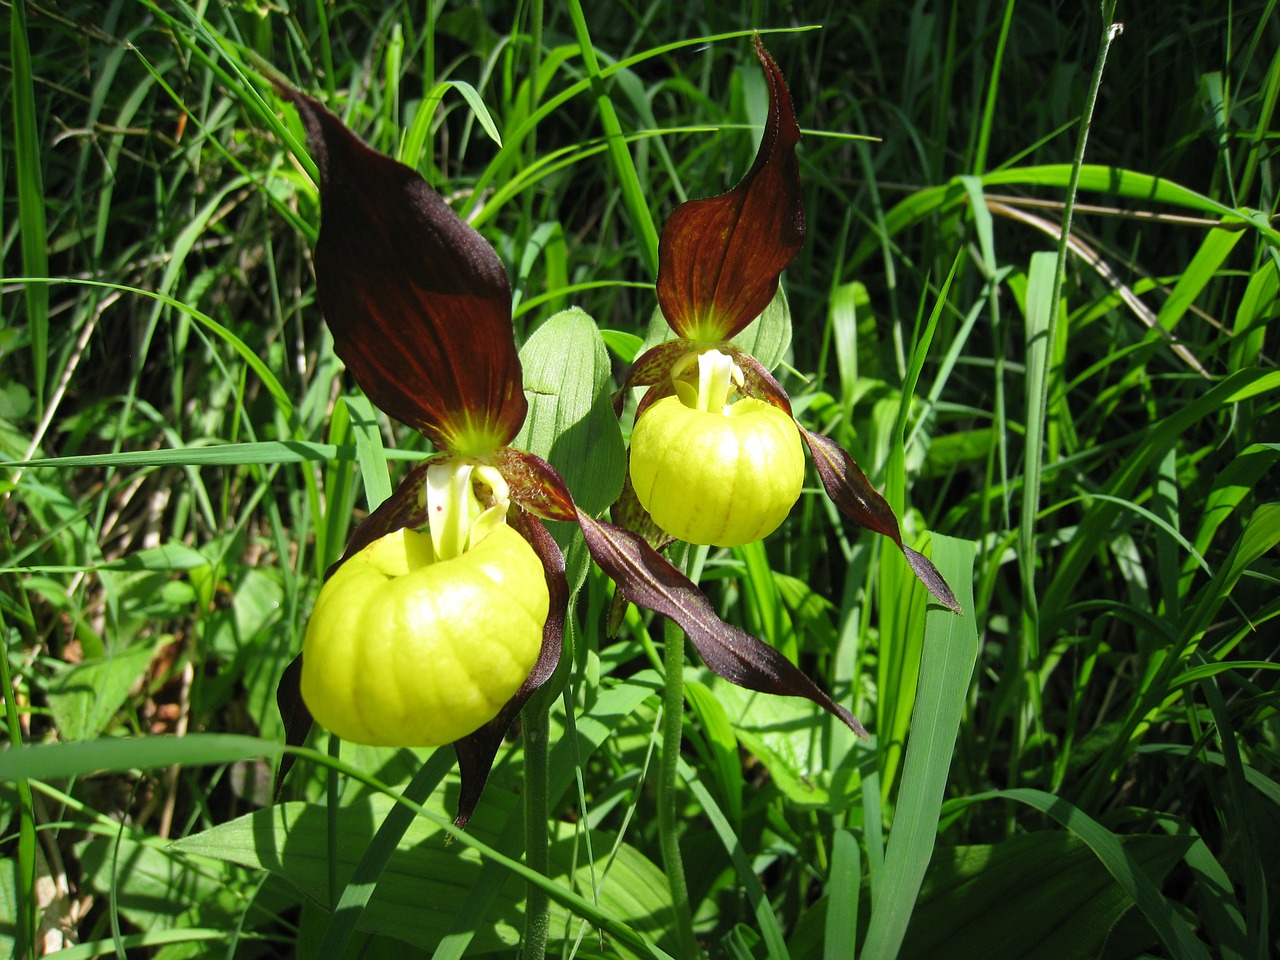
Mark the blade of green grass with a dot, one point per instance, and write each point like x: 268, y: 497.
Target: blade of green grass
x: 844, y: 886
x: 766, y: 920
x: 31, y: 212
x: 624, y: 168
x: 950, y: 653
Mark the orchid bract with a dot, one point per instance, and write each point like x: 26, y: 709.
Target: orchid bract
x: 707, y: 464
x: 447, y: 610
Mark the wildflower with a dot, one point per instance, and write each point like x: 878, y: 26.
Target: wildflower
x: 404, y: 639
x: 716, y: 455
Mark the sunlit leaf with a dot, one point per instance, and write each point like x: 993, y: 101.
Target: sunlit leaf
x: 571, y: 423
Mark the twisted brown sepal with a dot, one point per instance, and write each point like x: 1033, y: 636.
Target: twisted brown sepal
x: 719, y: 258
x: 851, y: 491
x: 296, y: 717
x: 476, y: 751
x: 757, y: 381
x: 629, y: 513
x: 651, y: 582
x: 536, y: 485
x: 418, y: 301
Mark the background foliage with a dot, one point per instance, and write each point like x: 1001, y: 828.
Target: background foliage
x: 1087, y: 761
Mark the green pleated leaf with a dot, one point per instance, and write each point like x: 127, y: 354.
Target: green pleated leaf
x: 571, y: 422
x: 783, y: 733
x: 427, y: 881
x: 768, y: 336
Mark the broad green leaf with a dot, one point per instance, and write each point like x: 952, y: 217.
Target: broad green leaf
x: 83, y: 698
x: 571, y: 422
x: 1042, y: 895
x: 427, y: 880
x: 785, y: 734
x: 613, y: 706
x: 1174, y: 931
x: 768, y: 336
x: 158, y: 889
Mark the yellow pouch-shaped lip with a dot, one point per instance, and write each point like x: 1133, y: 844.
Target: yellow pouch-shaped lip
x: 404, y: 650
x: 717, y: 477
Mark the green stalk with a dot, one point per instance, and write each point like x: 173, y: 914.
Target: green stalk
x: 25, y: 939
x: 333, y: 793
x: 669, y: 786
x: 1034, y: 460
x: 31, y: 210
x: 536, y: 719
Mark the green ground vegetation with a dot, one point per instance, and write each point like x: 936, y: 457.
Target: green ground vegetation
x: 1079, y: 426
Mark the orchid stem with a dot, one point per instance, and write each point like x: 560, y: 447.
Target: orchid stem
x: 669, y: 786
x: 536, y: 732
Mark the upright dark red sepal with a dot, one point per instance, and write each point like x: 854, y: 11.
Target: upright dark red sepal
x: 719, y: 259
x: 418, y: 301
x: 651, y: 582
x: 851, y: 491
x: 476, y: 751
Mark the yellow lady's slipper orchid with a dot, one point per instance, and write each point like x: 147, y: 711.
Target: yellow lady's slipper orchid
x: 714, y: 472
x: 404, y: 649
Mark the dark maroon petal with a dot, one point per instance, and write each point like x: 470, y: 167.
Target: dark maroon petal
x: 477, y: 750
x: 851, y: 491
x: 295, y: 716
x: 629, y: 513
x: 651, y: 582
x: 535, y: 485
x: 418, y: 302
x: 719, y: 259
